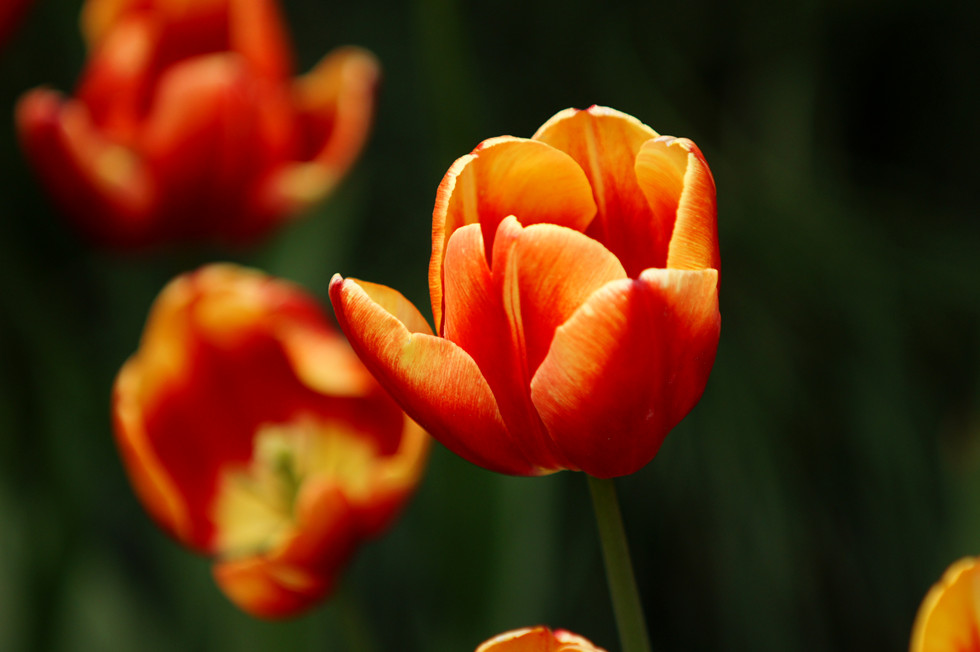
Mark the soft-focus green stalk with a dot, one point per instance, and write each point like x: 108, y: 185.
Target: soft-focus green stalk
x: 619, y: 569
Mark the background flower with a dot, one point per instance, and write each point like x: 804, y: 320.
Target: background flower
x: 252, y: 434
x: 187, y: 125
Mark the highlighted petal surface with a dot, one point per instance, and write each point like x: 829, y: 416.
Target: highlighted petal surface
x: 675, y: 179
x: 605, y: 143
x: 949, y: 618
x: 506, y: 176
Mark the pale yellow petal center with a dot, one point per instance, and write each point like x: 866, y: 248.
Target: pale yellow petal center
x: 255, y: 510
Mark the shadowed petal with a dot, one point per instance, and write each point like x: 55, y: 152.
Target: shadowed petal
x: 506, y: 176
x: 101, y: 183
x: 435, y: 381
x: 627, y: 367
x: 605, y: 143
x: 675, y: 178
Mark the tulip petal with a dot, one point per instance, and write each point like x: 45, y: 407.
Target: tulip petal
x: 555, y: 270
x: 256, y: 30
x: 149, y: 478
x: 506, y: 176
x: 334, y: 106
x: 435, y: 381
x: 477, y: 321
x: 605, y: 143
x: 118, y: 78
x: 948, y: 617
x: 676, y: 180
x: 206, y: 140
x: 103, y: 184
x: 627, y: 367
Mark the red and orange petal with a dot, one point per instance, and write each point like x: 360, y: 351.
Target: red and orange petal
x: 104, y: 185
x: 435, y: 380
x: 628, y: 365
x: 216, y: 364
x: 949, y: 617
x: 605, y: 143
x: 253, y: 28
x: 538, y: 639
x: 501, y: 177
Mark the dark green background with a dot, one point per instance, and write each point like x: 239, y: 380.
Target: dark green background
x: 827, y: 478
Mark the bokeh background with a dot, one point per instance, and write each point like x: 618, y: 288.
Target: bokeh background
x: 827, y: 478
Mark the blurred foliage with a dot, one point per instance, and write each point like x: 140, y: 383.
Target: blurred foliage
x: 827, y: 478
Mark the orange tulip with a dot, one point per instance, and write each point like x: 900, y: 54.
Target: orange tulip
x: 252, y: 433
x: 574, y: 284
x: 538, y: 639
x: 949, y: 618
x: 11, y: 12
x: 186, y: 123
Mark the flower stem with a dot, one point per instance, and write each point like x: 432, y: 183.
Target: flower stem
x: 619, y: 569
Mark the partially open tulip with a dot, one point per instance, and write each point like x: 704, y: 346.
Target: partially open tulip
x: 538, y: 639
x: 949, y: 618
x: 574, y: 285
x: 252, y: 434
x: 188, y: 125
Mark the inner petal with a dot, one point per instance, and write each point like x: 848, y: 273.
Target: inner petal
x: 255, y: 507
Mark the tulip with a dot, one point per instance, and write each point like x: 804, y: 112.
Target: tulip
x: 187, y: 124
x: 949, y: 618
x: 538, y: 639
x: 252, y: 434
x: 574, y: 286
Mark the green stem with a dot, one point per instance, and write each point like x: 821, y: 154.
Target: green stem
x: 619, y: 569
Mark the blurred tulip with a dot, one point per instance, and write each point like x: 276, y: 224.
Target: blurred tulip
x: 187, y: 125
x: 252, y: 433
x: 538, y: 639
x: 574, y: 284
x: 949, y: 618
x: 11, y: 12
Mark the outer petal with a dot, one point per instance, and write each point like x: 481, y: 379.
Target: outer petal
x: 505, y: 176
x: 101, y: 183
x: 257, y: 31
x: 334, y: 106
x: 435, y: 381
x: 948, y: 618
x: 555, y: 270
x: 676, y: 180
x: 119, y: 78
x: 605, y: 143
x: 627, y: 367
